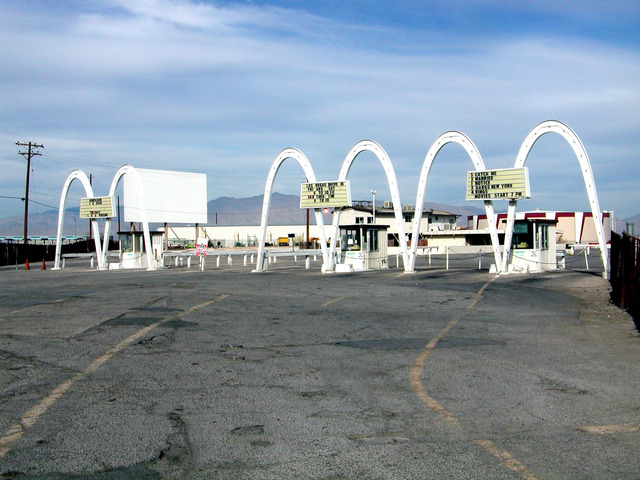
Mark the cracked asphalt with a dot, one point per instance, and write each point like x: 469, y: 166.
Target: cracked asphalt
x: 228, y: 374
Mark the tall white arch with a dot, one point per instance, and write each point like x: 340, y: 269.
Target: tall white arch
x: 466, y: 143
x: 131, y: 171
x: 378, y: 151
x: 302, y: 160
x: 88, y: 189
x: 553, y: 126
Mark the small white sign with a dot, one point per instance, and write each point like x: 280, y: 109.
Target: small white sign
x: 201, y: 247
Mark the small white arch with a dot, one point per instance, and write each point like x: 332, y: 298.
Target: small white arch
x: 554, y: 126
x: 131, y: 171
x: 466, y: 143
x: 302, y: 160
x: 88, y: 189
x: 378, y: 151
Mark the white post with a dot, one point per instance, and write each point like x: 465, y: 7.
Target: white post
x: 479, y: 259
x: 189, y: 261
x: 586, y: 258
x: 429, y: 257
x: 307, y: 262
x: 447, y: 257
x: 252, y: 260
x: 397, y: 260
x: 244, y: 259
x: 91, y: 261
x: 217, y: 260
x: 373, y: 205
x: 229, y: 261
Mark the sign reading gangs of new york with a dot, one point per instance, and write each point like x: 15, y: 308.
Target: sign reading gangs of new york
x: 498, y: 184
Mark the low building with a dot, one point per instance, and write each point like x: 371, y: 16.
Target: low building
x: 432, y: 220
x: 227, y: 236
x: 572, y: 228
x: 361, y: 213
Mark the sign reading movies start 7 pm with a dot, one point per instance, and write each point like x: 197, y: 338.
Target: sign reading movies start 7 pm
x: 499, y: 184
x: 325, y: 194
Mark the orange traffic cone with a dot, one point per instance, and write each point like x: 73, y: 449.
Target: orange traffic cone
x: 44, y: 267
x: 26, y: 265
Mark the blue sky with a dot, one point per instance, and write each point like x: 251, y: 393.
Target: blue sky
x: 221, y: 87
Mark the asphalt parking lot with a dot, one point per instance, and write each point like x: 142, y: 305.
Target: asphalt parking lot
x: 224, y: 373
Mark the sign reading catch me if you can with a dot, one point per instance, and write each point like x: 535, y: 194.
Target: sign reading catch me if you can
x: 97, y: 207
x: 498, y: 184
x: 325, y: 194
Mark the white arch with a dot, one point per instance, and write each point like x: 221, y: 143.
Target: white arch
x: 553, y: 126
x: 375, y: 148
x: 131, y: 171
x: 88, y: 189
x: 466, y: 143
x: 300, y: 157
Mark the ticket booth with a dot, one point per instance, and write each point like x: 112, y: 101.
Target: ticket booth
x: 132, y: 252
x: 362, y: 247
x: 534, y: 246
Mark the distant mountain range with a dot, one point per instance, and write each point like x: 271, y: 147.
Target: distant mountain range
x: 285, y: 210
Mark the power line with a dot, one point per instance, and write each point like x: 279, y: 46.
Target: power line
x: 43, y: 204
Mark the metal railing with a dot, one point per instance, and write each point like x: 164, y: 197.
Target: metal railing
x: 625, y: 274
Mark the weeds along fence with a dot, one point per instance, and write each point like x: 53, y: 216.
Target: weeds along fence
x: 625, y: 274
x: 19, y: 253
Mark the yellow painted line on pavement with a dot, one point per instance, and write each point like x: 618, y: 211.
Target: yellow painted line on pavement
x: 336, y: 299
x: 346, y: 295
x: 66, y: 299
x: 18, y: 429
x: 506, y: 459
x: 416, y: 383
x: 610, y: 429
x: 359, y: 290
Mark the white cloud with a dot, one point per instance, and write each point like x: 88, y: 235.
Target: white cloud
x: 156, y: 82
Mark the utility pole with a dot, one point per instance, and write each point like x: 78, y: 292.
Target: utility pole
x: 31, y: 152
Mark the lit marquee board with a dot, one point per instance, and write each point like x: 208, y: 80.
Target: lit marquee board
x: 499, y: 184
x: 97, y: 207
x: 325, y: 194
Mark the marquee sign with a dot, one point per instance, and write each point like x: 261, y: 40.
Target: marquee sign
x: 498, y: 184
x: 325, y: 194
x: 97, y: 207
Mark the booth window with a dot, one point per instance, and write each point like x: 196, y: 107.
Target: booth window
x: 544, y: 236
x: 372, y: 240
x: 350, y: 239
x: 523, y: 235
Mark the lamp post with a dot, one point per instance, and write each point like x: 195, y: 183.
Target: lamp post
x: 373, y: 205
